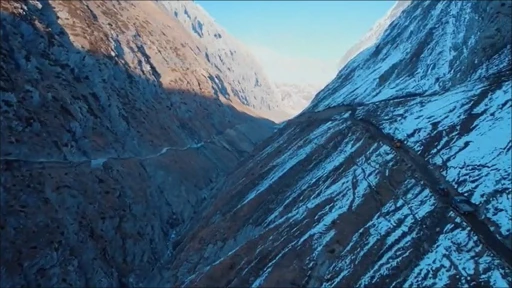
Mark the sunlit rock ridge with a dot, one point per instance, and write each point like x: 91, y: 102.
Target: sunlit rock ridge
x: 231, y: 59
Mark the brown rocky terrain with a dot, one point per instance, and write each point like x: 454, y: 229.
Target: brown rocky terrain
x: 111, y: 135
x: 231, y: 59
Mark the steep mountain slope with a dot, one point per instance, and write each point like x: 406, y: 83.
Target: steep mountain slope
x: 296, y: 97
x: 349, y: 193
x: 111, y: 132
x: 231, y: 59
x: 434, y: 58
x: 375, y: 33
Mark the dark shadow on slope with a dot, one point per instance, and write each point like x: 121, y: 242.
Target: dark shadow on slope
x: 61, y: 102
x: 115, y: 100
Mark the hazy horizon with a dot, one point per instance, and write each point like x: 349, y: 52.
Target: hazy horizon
x: 298, y: 41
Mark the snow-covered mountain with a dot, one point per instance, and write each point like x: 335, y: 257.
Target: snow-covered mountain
x: 296, y: 97
x: 375, y: 32
x: 361, y: 189
x: 426, y: 61
x: 231, y: 58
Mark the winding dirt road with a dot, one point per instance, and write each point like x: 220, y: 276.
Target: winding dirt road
x: 98, y: 162
x: 94, y: 163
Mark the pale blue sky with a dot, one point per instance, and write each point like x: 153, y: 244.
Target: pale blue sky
x: 307, y: 35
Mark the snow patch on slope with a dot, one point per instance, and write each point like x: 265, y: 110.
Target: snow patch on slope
x: 292, y: 157
x: 375, y: 32
x: 458, y: 249
x: 426, y: 60
x: 479, y: 163
x: 396, y: 219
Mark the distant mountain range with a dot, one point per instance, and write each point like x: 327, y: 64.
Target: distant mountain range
x: 295, y: 97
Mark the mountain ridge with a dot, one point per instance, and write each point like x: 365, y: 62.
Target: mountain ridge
x: 359, y: 188
x: 362, y: 188
x: 374, y: 34
x: 231, y: 53
x: 93, y: 97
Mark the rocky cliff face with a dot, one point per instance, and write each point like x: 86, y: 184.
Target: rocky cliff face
x: 232, y: 61
x: 112, y: 131
x: 359, y: 189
